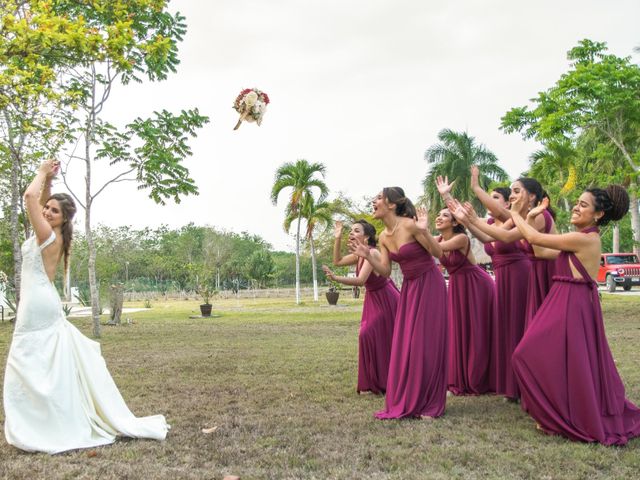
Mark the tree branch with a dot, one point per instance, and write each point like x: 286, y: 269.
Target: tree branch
x: 116, y: 179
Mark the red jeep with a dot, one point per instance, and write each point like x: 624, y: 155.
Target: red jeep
x: 619, y: 269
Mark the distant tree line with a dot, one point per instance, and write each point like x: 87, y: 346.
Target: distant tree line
x: 183, y: 259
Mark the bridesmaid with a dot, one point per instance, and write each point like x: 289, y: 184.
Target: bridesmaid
x: 378, y: 309
x: 471, y: 309
x: 417, y: 382
x: 567, y: 374
x: 511, y: 268
x: 528, y: 193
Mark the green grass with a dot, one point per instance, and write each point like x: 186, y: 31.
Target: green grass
x: 278, y: 380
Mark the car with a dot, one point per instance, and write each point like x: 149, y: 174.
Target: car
x: 619, y: 269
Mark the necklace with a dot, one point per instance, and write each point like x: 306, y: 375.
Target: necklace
x: 394, y: 228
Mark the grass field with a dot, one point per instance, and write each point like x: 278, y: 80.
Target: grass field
x: 278, y: 380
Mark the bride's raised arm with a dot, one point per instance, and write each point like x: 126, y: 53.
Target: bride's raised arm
x: 36, y: 196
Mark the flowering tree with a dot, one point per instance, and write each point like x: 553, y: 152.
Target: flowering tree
x: 37, y: 44
x: 139, y: 39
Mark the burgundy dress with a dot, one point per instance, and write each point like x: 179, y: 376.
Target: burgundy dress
x: 541, y: 276
x: 472, y: 310
x: 511, y: 268
x: 567, y: 375
x: 376, y: 332
x: 417, y: 382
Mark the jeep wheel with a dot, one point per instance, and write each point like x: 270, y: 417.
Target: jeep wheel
x: 627, y: 288
x: 611, y: 284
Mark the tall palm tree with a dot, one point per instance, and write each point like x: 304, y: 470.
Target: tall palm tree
x: 301, y: 178
x: 556, y: 168
x: 315, y: 214
x: 453, y: 157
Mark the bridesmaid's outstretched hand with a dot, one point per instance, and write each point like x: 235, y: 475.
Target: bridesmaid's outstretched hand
x: 337, y: 229
x: 472, y: 215
x: 475, y: 176
x: 328, y: 273
x: 444, y: 187
x: 458, y: 212
x: 422, y: 219
x: 358, y: 249
x: 537, y: 210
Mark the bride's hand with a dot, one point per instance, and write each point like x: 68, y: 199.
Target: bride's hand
x: 50, y: 167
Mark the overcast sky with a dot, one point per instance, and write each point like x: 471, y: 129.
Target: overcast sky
x: 363, y: 87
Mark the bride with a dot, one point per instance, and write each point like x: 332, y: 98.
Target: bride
x: 58, y: 393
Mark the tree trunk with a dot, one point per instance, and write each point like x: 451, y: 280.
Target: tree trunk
x: 15, y: 226
x: 93, y: 282
x: 298, y: 260
x: 91, y: 249
x: 615, y: 238
x: 635, y: 220
x: 117, y: 300
x: 313, y: 268
x: 14, y: 216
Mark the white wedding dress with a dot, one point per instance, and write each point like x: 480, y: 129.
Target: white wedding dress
x: 58, y: 393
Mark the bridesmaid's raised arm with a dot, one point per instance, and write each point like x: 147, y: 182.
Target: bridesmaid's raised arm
x: 338, y: 259
x: 460, y: 214
x: 499, y: 212
x: 358, y: 281
x: 569, y: 242
x: 422, y: 234
x: 380, y: 261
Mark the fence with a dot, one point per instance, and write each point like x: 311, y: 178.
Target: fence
x: 305, y: 292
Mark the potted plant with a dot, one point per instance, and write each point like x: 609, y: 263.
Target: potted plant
x: 332, y: 294
x: 206, y: 292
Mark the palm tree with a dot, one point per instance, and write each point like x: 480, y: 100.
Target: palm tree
x: 315, y: 214
x: 453, y: 157
x: 301, y: 178
x: 556, y: 167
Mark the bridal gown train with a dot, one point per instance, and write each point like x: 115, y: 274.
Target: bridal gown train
x: 58, y: 393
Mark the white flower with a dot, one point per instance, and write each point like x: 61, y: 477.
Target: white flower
x: 250, y: 98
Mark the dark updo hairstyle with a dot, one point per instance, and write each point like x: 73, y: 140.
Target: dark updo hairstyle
x: 613, y: 201
x: 369, y: 231
x: 68, y: 209
x: 458, y: 227
x: 532, y: 186
x: 404, y: 207
x: 504, y: 191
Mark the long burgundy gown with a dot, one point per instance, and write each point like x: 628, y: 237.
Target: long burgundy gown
x: 472, y: 311
x: 417, y: 382
x: 541, y: 276
x: 567, y: 375
x: 376, y: 332
x: 511, y: 268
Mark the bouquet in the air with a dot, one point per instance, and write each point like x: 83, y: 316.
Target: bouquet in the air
x: 251, y: 105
